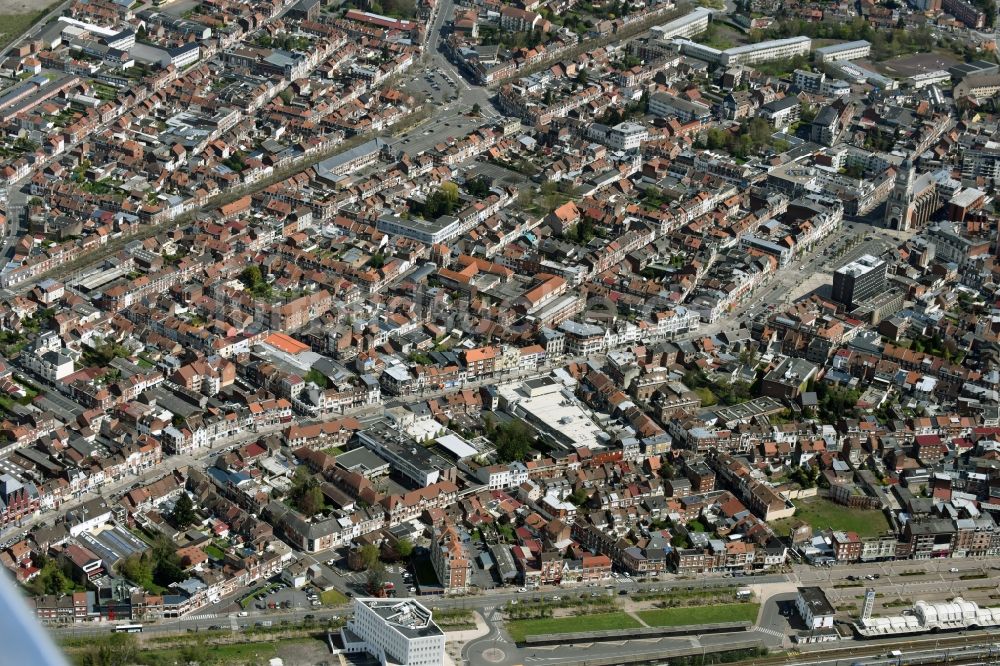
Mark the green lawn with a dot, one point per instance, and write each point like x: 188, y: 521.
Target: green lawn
x: 681, y: 616
x: 823, y: 514
x: 333, y: 450
x: 215, y: 552
x: 13, y: 26
x: 558, y: 625
x: 454, y: 619
x: 333, y: 598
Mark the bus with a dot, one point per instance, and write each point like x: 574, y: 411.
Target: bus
x: 128, y: 629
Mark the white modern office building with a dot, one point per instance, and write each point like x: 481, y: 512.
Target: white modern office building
x: 689, y: 25
x: 775, y: 49
x: 846, y: 51
x: 394, y: 631
x: 750, y: 54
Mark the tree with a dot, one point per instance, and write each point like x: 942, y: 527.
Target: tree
x: 478, y: 187
x: 369, y: 555
x: 311, y: 502
x: 583, y: 76
x: 404, y: 548
x: 805, y: 476
x: 375, y: 579
x: 449, y: 190
x: 442, y: 202
x: 476, y: 109
x: 253, y: 279
x: 251, y: 275
x: 51, y: 580
x: 166, y: 563
x: 137, y: 569
x: 513, y: 440
x: 399, y: 8
x: 706, y: 396
x: 168, y: 572
x: 305, y: 494
x: 183, y: 513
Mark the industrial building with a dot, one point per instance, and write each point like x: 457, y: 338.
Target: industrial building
x: 925, y: 616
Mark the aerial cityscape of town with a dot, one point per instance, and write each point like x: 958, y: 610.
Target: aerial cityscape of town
x: 557, y: 332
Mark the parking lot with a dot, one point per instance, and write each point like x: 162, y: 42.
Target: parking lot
x: 435, y: 86
x: 284, y: 597
x: 400, y: 579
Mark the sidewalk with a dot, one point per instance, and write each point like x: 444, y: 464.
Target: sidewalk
x: 455, y: 640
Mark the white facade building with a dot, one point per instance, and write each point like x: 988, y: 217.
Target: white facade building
x: 689, y: 25
x: 776, y: 49
x: 627, y: 136
x: 394, y: 631
x: 845, y: 51
x: 814, y: 608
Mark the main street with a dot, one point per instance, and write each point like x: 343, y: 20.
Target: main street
x: 936, y: 574
x: 496, y: 647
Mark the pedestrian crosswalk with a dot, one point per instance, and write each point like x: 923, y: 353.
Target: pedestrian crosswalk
x: 770, y: 632
x: 204, y: 616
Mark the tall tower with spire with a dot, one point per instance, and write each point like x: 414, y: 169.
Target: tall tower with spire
x: 900, y: 206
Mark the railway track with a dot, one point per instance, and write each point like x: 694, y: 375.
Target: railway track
x: 913, y: 651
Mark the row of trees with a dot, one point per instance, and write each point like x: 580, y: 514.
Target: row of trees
x: 885, y: 43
